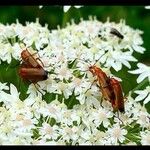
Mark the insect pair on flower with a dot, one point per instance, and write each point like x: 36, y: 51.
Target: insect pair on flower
x: 31, y: 70
x: 110, y: 88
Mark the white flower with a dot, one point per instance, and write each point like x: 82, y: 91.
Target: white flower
x: 141, y: 115
x: 102, y: 116
x: 11, y: 98
x: 117, y: 134
x: 98, y: 136
x: 118, y: 58
x: 35, y: 91
x: 145, y: 137
x: 143, y: 70
x: 63, y: 72
x: 85, y: 134
x: 66, y: 116
x: 66, y: 8
x: 63, y: 88
x: 49, y: 132
x: 40, y: 6
x: 68, y: 133
x: 51, y: 110
x: 3, y: 86
x: 147, y: 7
x: 143, y: 95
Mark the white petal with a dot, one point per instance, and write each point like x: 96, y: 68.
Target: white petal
x: 140, y: 65
x: 106, y: 123
x: 138, y: 48
x: 147, y: 99
x: 126, y: 63
x: 117, y: 66
x: 124, y: 132
x: 66, y: 8
x: 78, y: 6
x: 40, y: 6
x: 141, y: 92
x: 142, y: 76
x: 13, y: 91
x: 147, y: 7
x: 140, y: 97
x: 103, y: 59
x: 138, y: 71
x: 131, y: 58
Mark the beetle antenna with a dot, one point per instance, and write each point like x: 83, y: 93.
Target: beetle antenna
x: 84, y: 61
x: 37, y: 88
x: 99, y: 59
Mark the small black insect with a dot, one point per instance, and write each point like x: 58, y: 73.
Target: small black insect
x: 116, y: 32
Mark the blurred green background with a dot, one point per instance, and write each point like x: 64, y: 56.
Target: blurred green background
x: 136, y: 17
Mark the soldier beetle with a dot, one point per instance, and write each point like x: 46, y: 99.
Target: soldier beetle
x: 30, y: 70
x: 30, y: 60
x: 103, y: 83
x: 111, y: 88
x: 118, y: 99
x: 33, y: 74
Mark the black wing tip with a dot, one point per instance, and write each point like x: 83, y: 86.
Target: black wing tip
x: 122, y: 110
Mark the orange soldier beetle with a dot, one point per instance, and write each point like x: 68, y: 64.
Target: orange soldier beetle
x: 102, y: 79
x: 33, y: 74
x: 30, y: 70
x: 30, y: 60
x: 118, y: 102
x: 111, y: 88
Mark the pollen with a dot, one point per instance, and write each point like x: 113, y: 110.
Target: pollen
x: 117, y: 132
x: 27, y: 122
x: 77, y: 82
x: 19, y: 117
x: 48, y: 130
x: 63, y: 71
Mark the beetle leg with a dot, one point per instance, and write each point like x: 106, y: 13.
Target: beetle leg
x: 40, y: 61
x: 91, y: 85
x: 37, y: 88
x: 36, y: 53
x: 101, y: 101
x: 118, y: 117
x: 38, y: 58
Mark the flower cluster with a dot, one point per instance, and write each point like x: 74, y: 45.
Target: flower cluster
x: 72, y: 113
x: 144, y: 72
x: 33, y: 121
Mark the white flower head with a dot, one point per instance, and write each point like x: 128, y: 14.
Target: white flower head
x: 117, y: 134
x: 143, y: 95
x: 49, y: 132
x: 102, y: 116
x: 145, y: 137
x: 144, y: 72
x: 67, y: 109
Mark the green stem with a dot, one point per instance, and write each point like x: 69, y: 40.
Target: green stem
x: 64, y: 19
